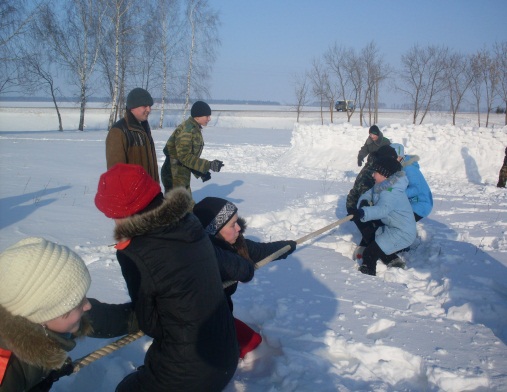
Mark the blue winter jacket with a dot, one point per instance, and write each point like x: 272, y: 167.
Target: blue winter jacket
x: 389, y: 203
x: 418, y: 190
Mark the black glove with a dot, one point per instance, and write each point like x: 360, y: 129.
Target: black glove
x: 357, y: 214
x: 292, y: 245
x: 364, y: 203
x: 206, y: 177
x: 66, y: 370
x: 359, y: 162
x: 216, y: 165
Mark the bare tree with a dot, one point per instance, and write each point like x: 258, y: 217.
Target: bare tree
x: 38, y: 73
x: 113, y: 58
x: 15, y: 17
x: 501, y: 61
x: 320, y: 84
x: 203, y: 24
x: 423, y: 78
x: 459, y: 76
x: 486, y: 68
x: 75, y: 40
x: 301, y: 84
x: 171, y: 39
x: 336, y: 59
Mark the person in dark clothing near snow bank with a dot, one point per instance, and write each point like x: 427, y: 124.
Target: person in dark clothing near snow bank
x: 173, y: 279
x: 236, y: 255
x: 43, y: 308
x: 129, y: 140
x: 375, y: 140
x: 502, y: 177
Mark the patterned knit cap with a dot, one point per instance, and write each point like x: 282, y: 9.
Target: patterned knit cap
x: 214, y: 213
x: 386, y: 166
x: 40, y: 280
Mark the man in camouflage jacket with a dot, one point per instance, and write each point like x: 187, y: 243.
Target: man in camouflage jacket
x: 183, y: 151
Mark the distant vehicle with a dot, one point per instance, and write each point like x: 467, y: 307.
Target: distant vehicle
x: 342, y: 106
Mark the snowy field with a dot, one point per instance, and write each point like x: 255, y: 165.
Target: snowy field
x: 439, y: 325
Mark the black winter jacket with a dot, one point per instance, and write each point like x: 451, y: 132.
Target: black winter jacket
x: 237, y: 263
x: 179, y: 300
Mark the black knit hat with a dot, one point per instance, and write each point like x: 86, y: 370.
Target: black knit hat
x: 386, y: 166
x: 139, y: 97
x: 374, y: 129
x: 200, y: 109
x: 214, y: 213
x: 385, y: 151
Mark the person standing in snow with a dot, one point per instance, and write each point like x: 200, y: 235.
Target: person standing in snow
x: 418, y: 191
x: 173, y: 279
x: 183, y: 151
x: 502, y: 177
x: 388, y: 203
x: 129, y: 140
x: 43, y: 308
x: 236, y: 255
x: 364, y: 180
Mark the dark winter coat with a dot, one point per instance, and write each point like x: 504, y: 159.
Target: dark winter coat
x: 183, y: 152
x: 180, y: 301
x: 372, y: 146
x: 502, y: 176
x: 237, y: 262
x: 129, y: 141
x: 36, y: 352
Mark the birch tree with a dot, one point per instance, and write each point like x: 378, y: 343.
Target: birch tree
x: 74, y: 38
x: 459, y: 76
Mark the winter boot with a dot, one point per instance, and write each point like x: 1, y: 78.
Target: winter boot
x: 397, y: 262
x: 367, y: 271
x: 248, y: 339
x: 358, y: 253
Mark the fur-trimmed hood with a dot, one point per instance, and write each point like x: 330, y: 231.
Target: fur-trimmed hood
x: 35, y: 345
x: 409, y: 160
x: 175, y: 206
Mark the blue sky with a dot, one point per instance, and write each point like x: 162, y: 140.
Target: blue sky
x: 266, y: 42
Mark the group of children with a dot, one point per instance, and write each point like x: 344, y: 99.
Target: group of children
x: 175, y: 257
x: 389, y: 196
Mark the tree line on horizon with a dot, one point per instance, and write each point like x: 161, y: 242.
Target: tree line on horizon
x: 108, y: 47
x: 431, y: 78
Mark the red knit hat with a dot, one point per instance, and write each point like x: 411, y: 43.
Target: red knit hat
x: 124, y: 190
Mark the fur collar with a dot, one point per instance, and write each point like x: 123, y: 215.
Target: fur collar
x: 175, y: 206
x: 412, y: 159
x: 388, y: 182
x: 33, y: 344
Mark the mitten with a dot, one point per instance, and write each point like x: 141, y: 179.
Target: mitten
x: 292, y: 245
x: 364, y: 203
x: 206, y: 177
x: 216, y: 165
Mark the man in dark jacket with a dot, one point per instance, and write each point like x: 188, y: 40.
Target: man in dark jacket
x: 129, y: 140
x: 172, y: 276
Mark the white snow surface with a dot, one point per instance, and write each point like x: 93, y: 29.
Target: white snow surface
x: 439, y: 325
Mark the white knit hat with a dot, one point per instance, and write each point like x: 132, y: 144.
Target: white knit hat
x: 41, y: 280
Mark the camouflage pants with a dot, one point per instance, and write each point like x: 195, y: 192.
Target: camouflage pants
x: 502, y: 178
x: 363, y: 182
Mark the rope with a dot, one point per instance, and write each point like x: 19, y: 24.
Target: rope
x: 102, y: 352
